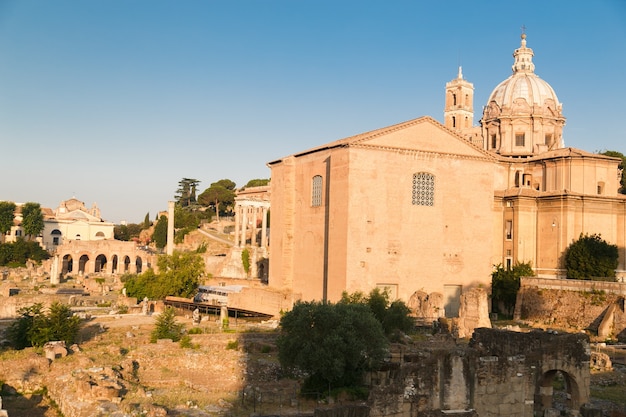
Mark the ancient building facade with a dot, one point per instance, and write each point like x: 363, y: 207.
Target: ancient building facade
x: 425, y: 206
x: 105, y: 257
x: 71, y: 220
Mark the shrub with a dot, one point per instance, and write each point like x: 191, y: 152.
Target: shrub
x: 505, y: 284
x: 591, y: 256
x: 35, y: 328
x: 245, y: 259
x: 166, y: 327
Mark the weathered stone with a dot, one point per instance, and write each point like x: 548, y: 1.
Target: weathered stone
x: 473, y: 312
x: 426, y: 307
x: 600, y: 362
x: 54, y: 350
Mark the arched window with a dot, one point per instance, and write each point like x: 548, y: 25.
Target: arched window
x: 316, y: 191
x: 423, y: 189
x: 56, y: 236
x: 453, y: 121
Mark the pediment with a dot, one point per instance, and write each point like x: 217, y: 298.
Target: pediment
x: 78, y: 215
x: 423, y: 134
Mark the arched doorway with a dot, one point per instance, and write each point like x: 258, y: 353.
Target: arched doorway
x: 138, y: 264
x: 126, y: 264
x: 114, y: 264
x: 101, y: 263
x: 557, y: 390
x: 82, y: 264
x: 68, y: 265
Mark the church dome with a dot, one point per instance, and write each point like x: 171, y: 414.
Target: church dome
x: 524, y: 84
x: 523, y: 116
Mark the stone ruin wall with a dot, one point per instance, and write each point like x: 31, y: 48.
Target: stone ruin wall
x: 583, y: 305
x: 498, y: 374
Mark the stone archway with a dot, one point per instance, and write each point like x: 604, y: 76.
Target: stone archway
x: 138, y: 265
x: 100, y: 263
x: 82, y: 264
x: 114, y: 264
x: 548, y: 386
x: 68, y: 265
x: 125, y: 264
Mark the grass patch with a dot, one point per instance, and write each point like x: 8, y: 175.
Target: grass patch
x: 613, y: 393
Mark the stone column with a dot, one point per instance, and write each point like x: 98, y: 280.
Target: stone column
x: 244, y: 225
x: 237, y: 222
x: 54, y: 271
x: 264, y: 228
x: 170, y: 227
x: 255, y: 217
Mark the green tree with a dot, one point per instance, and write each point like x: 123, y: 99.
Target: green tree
x: 186, y: 192
x: 259, y: 182
x: 166, y: 327
x: 591, y: 257
x: 160, y: 232
x: 621, y: 167
x: 219, y: 193
x: 335, y: 344
x: 179, y: 275
x: 32, y: 220
x: 146, y: 222
x: 393, y: 316
x: 35, y: 328
x: 7, y: 214
x: 182, y: 272
x: 505, y: 284
x: 16, y: 253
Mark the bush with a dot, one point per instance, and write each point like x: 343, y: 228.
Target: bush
x: 36, y: 328
x: 590, y: 257
x: 505, y: 284
x: 16, y: 254
x: 167, y: 327
x: 334, y: 344
x: 394, y: 316
x: 179, y: 276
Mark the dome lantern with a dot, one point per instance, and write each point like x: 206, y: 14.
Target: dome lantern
x: 523, y: 116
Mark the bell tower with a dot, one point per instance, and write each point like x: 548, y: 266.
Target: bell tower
x: 459, y: 109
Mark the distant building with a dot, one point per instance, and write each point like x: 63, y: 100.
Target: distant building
x: 70, y: 221
x: 73, y: 221
x: 427, y: 206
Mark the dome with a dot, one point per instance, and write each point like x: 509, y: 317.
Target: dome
x: 523, y: 115
x: 524, y: 91
x: 527, y: 86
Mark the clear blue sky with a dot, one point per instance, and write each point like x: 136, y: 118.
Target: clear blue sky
x: 115, y: 101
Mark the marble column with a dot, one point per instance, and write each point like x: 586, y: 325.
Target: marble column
x: 264, y: 228
x: 237, y: 222
x: 244, y: 225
